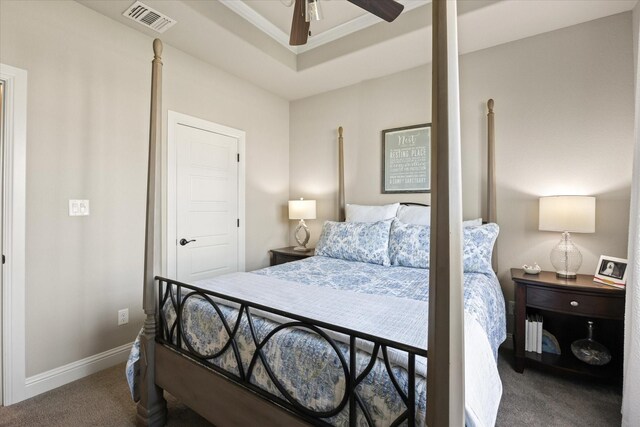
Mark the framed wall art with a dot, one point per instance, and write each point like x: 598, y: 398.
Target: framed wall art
x: 406, y: 159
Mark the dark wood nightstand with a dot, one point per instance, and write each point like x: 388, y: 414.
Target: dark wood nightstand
x: 566, y: 305
x: 282, y: 255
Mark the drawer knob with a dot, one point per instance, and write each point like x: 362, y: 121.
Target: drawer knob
x: 574, y: 303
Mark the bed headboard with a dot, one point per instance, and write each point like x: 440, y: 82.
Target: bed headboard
x: 342, y: 205
x: 490, y: 214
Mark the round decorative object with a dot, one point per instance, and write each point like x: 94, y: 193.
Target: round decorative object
x: 590, y: 351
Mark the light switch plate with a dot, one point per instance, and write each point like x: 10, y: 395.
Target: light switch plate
x: 78, y: 207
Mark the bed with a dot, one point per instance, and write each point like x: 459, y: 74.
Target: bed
x: 220, y: 322
x: 213, y: 344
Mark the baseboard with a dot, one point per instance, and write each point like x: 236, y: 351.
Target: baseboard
x: 57, y: 377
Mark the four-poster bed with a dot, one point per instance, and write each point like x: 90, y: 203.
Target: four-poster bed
x: 230, y: 376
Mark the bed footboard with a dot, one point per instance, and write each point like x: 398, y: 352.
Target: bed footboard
x: 214, y: 396
x: 232, y: 398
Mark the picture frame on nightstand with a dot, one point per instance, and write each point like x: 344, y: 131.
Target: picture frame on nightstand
x: 611, y: 271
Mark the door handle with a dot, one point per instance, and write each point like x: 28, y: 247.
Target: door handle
x: 185, y: 241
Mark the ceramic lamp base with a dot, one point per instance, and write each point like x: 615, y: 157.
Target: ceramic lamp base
x: 304, y: 239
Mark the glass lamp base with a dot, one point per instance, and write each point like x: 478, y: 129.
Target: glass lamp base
x: 566, y: 258
x: 563, y: 275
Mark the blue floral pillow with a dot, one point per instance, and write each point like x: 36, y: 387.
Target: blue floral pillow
x: 409, y: 246
x: 478, y: 247
x: 356, y: 241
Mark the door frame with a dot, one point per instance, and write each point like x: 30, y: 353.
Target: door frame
x: 169, y: 208
x: 13, y: 218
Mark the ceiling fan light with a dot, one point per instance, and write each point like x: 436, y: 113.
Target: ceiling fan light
x: 312, y: 11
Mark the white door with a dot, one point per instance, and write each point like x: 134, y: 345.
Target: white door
x: 206, y: 203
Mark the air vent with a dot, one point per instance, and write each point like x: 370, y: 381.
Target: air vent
x: 149, y: 17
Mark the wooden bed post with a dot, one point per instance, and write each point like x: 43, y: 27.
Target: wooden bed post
x: 445, y: 371
x: 341, y: 208
x: 152, y: 408
x: 492, y: 212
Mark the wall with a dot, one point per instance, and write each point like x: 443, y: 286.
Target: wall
x: 636, y: 35
x: 564, y: 125
x: 88, y: 118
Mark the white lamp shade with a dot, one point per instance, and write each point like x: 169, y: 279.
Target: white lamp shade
x: 302, y: 209
x: 575, y: 214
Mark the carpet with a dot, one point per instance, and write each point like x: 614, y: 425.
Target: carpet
x: 533, y: 398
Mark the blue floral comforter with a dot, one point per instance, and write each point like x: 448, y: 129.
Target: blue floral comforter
x: 307, y: 365
x: 482, y: 293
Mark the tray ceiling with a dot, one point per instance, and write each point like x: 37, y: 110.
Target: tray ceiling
x: 245, y: 38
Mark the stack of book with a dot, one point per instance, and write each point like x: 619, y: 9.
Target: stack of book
x: 533, y: 333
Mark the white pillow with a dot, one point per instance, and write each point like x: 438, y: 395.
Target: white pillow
x: 367, y: 213
x: 413, y: 214
x: 421, y: 215
x: 472, y: 222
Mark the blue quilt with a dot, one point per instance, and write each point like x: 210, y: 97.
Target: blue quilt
x: 482, y: 293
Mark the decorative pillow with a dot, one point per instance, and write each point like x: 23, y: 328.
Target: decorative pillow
x: 478, y: 247
x: 409, y: 246
x: 412, y: 214
x: 356, y: 241
x: 366, y: 213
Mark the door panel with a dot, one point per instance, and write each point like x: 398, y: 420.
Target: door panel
x: 206, y: 203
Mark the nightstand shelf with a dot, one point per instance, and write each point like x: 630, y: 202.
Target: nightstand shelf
x: 288, y: 254
x: 566, y: 305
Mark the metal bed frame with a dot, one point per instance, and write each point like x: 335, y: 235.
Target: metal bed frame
x: 172, y: 336
x: 169, y: 362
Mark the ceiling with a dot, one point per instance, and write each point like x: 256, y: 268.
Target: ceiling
x: 340, y: 18
x: 249, y: 38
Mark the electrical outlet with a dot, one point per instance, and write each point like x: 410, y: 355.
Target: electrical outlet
x: 512, y: 305
x: 123, y: 316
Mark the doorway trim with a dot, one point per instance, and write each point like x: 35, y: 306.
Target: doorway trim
x: 13, y: 217
x: 169, y: 208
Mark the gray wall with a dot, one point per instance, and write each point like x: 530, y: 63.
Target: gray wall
x: 88, y: 119
x: 564, y: 125
x: 636, y: 34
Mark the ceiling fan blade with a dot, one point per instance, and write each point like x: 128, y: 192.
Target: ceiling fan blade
x: 299, y: 26
x: 385, y: 9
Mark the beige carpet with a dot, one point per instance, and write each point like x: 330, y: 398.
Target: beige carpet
x: 530, y: 399
x: 101, y: 399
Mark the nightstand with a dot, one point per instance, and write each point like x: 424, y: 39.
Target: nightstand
x: 566, y: 305
x: 282, y: 255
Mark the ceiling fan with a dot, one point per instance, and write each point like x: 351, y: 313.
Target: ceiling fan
x: 385, y: 9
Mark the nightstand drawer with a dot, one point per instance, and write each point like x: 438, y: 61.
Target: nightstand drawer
x: 281, y: 259
x: 575, y: 303
x: 288, y: 254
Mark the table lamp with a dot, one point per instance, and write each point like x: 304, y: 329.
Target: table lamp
x: 576, y: 214
x: 302, y: 209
